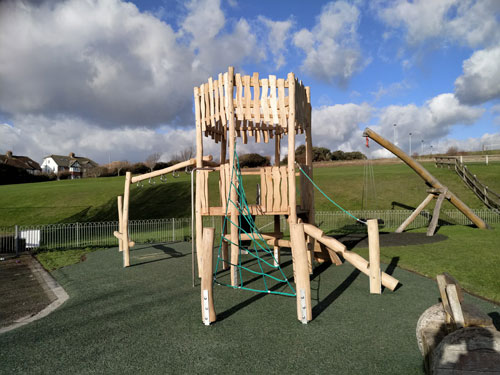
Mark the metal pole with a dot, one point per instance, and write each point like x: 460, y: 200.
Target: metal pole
x: 410, y: 143
x: 16, y: 241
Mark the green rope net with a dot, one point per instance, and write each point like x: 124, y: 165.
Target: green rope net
x: 257, y: 259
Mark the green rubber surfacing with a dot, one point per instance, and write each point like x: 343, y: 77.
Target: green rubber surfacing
x: 146, y: 319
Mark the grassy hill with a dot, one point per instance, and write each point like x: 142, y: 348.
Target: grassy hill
x: 95, y: 199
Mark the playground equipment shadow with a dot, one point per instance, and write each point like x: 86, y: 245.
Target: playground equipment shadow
x: 147, y: 319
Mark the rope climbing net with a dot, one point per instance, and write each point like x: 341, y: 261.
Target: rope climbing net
x: 327, y: 197
x: 260, y: 263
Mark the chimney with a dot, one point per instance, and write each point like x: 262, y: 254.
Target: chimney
x: 9, y: 154
x: 72, y: 155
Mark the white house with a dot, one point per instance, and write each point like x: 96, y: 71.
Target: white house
x: 75, y: 165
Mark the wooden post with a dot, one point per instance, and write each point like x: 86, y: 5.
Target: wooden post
x: 223, y: 157
x: 234, y: 196
x: 198, y: 236
x: 120, y: 221
x: 355, y: 259
x: 277, y: 228
x: 207, y: 269
x: 435, y: 215
x: 301, y: 273
x: 292, y: 200
x: 125, y: 239
x: 374, y: 257
x: 414, y: 214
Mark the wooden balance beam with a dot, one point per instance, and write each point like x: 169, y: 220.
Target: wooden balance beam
x: 356, y: 260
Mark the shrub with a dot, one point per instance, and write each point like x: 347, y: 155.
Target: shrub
x: 139, y: 168
x: 253, y: 161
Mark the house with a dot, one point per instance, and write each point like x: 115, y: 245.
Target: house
x: 77, y: 166
x: 21, y: 162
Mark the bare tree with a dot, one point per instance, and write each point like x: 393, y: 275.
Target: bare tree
x: 185, y: 154
x: 152, y: 160
x: 118, y: 166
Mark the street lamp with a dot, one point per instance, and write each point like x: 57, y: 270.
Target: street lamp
x: 394, y: 138
x: 431, y: 150
x: 410, y: 142
x: 422, y: 148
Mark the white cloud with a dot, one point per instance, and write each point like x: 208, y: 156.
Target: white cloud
x: 38, y: 136
x: 331, y: 47
x: 468, y: 22
x: 103, y: 61
x: 431, y: 121
x: 481, y: 79
x: 277, y: 37
x: 337, y: 126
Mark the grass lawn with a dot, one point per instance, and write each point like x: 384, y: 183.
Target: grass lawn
x: 95, y: 199
x: 147, y: 319
x: 471, y: 255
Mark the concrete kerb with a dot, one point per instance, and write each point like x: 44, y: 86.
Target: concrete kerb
x: 51, y: 287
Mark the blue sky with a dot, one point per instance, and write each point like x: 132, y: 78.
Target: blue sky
x: 113, y: 80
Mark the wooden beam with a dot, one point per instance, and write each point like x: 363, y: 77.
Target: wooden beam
x: 435, y: 215
x: 292, y: 199
x: 125, y: 239
x: 172, y: 168
x: 207, y: 302
x: 120, y: 221
x: 356, y: 260
x: 415, y: 213
x: 374, y: 256
x: 301, y: 272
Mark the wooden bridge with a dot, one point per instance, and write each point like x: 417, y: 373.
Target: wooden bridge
x: 486, y: 195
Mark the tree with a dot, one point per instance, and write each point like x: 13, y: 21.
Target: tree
x: 186, y: 154
x: 253, y: 161
x: 152, y: 160
x: 118, y: 166
x: 452, y: 151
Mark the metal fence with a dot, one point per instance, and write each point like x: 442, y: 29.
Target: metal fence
x: 79, y: 235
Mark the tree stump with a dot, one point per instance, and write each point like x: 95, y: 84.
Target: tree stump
x: 471, y: 350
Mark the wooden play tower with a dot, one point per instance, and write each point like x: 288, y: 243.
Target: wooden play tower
x: 235, y: 106
x: 266, y: 109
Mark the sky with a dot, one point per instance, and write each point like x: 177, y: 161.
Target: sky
x: 113, y: 80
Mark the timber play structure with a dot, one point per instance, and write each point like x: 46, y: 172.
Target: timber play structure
x: 235, y: 107
x: 436, y: 189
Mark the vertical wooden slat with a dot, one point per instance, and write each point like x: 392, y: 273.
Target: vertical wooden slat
x: 211, y: 101
x: 291, y: 152
x: 281, y: 102
x: 243, y: 132
x: 265, y: 101
x: 284, y: 188
x: 202, y: 107
x: 257, y: 132
x: 239, y: 97
x: 256, y: 98
x: 269, y: 188
x: 263, y: 190
x: 248, y: 98
x: 273, y: 100
x: 216, y: 114
x: 222, y: 186
x: 276, y: 188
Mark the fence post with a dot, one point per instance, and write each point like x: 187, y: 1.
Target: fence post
x: 77, y: 235
x: 16, y: 241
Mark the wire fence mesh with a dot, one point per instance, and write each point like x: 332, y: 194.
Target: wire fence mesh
x: 100, y: 234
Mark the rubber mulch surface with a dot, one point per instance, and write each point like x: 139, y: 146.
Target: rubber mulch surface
x: 146, y: 319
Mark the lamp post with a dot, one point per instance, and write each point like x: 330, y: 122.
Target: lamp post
x: 422, y: 148
x: 410, y: 142
x: 431, y: 150
x: 394, y: 138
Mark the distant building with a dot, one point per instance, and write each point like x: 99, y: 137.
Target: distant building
x: 21, y: 162
x: 77, y: 166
